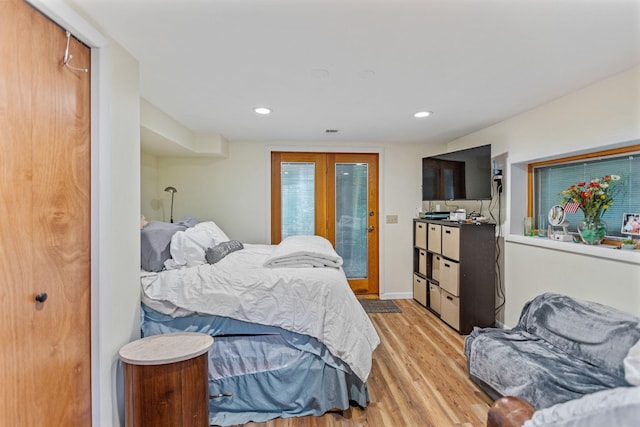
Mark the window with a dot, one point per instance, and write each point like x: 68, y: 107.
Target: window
x: 547, y: 180
x: 298, y: 198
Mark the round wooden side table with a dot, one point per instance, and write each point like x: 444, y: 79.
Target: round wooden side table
x: 166, y: 380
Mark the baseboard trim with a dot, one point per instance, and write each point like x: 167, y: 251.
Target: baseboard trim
x: 396, y: 295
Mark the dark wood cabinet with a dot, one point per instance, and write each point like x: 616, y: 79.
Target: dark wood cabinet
x: 454, y: 272
x: 166, y: 380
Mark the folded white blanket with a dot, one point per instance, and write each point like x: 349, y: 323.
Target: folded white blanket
x: 304, y: 251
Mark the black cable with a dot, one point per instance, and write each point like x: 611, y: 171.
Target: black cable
x: 500, y: 290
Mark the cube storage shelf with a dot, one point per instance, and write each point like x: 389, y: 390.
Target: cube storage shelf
x: 454, y: 272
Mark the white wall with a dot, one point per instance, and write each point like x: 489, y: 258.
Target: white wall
x: 230, y: 191
x: 601, y: 115
x: 116, y: 266
x: 152, y: 203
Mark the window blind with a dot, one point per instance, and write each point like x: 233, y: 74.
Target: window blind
x: 551, y: 180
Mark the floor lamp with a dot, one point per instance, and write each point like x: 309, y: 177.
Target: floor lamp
x: 173, y: 191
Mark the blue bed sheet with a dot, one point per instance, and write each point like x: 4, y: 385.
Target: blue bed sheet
x: 260, y: 372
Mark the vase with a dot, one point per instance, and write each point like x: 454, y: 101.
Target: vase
x: 592, y: 230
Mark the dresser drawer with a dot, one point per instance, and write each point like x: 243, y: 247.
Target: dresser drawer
x: 451, y: 242
x: 420, y: 290
x: 434, y: 237
x: 450, y: 276
x: 434, y: 297
x: 421, y: 234
x: 450, y: 309
x: 422, y: 262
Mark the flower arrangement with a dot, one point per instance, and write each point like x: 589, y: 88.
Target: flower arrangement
x: 593, y: 197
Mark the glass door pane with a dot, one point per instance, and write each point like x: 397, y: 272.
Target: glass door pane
x: 298, y: 198
x: 351, y: 217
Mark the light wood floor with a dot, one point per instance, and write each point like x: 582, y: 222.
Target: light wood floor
x: 419, y: 378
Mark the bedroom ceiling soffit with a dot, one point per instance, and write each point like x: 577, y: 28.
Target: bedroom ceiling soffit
x: 163, y: 136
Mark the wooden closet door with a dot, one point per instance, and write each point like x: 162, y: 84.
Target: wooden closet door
x: 45, y: 214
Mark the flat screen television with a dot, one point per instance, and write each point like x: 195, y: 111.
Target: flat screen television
x: 459, y: 175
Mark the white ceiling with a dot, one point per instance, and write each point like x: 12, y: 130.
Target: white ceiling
x: 364, y: 67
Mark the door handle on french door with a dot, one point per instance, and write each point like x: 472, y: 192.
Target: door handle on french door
x: 370, y: 228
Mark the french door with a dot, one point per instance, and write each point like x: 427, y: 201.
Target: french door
x: 334, y: 195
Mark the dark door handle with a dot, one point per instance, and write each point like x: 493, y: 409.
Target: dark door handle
x: 42, y: 297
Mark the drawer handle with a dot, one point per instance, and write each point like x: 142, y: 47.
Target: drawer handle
x: 419, y: 225
x: 447, y: 265
x: 449, y: 298
x: 447, y: 231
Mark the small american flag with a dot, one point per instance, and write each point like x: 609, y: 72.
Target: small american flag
x: 571, y: 207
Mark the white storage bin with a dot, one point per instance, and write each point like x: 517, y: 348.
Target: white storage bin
x: 434, y: 297
x: 435, y: 267
x: 434, y: 237
x: 422, y: 262
x: 451, y: 242
x: 421, y: 234
x: 450, y: 276
x: 420, y: 289
x: 450, y: 309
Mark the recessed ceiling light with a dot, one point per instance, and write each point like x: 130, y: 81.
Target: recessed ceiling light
x: 262, y: 110
x: 422, y: 114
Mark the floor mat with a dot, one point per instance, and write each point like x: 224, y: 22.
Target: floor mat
x: 379, y: 306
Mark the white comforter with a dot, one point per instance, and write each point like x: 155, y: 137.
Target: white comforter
x: 311, y: 301
x: 304, y: 252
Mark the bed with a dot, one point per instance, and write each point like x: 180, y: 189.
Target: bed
x: 290, y: 340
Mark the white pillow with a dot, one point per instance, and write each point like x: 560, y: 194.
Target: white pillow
x: 188, y: 247
x: 632, y: 365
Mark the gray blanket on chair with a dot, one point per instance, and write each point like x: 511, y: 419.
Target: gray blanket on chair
x: 561, y: 349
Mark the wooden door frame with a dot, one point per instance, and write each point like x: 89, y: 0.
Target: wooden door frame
x: 372, y: 221
x: 327, y: 230
x: 321, y: 228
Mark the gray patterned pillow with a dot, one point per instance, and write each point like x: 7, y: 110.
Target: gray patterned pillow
x: 221, y: 250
